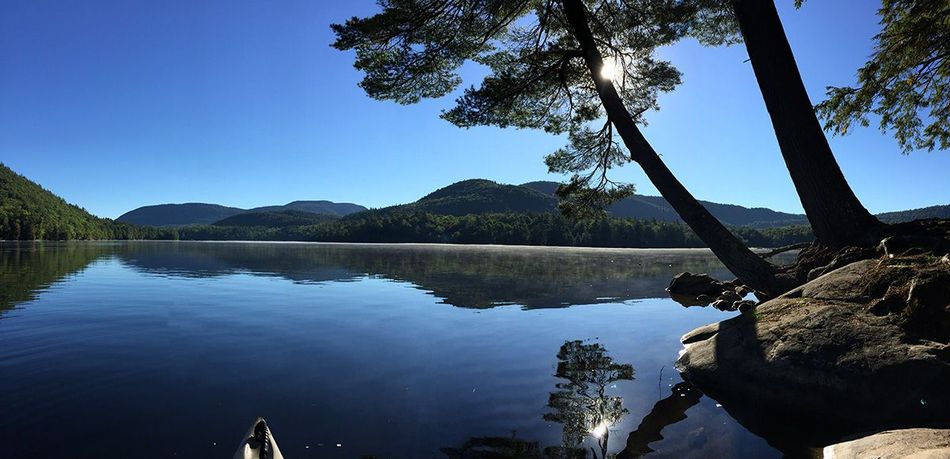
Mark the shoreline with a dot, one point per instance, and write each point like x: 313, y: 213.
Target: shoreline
x: 391, y: 244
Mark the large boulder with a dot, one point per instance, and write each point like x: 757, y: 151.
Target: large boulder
x: 894, y: 444
x: 862, y: 348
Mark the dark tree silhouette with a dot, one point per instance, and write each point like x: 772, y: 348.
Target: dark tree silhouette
x: 835, y: 213
x: 562, y: 66
x: 666, y: 412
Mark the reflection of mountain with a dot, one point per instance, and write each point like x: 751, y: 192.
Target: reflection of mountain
x: 26, y: 268
x: 465, y: 276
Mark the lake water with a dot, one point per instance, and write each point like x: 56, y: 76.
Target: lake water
x: 171, y: 349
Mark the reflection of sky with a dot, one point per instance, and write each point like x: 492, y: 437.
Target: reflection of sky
x: 376, y: 365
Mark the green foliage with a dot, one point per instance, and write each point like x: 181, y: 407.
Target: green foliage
x: 513, y: 228
x: 29, y: 267
x: 907, y: 76
x: 479, y: 196
x: 29, y: 212
x: 537, y: 79
x: 713, y: 22
x: 275, y: 219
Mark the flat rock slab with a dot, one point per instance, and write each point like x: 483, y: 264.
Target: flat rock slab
x: 895, y: 444
x: 816, y: 365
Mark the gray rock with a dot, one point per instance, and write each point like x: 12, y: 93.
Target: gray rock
x: 819, y: 356
x: 693, y: 285
x: 724, y: 305
x: 745, y: 305
x: 730, y: 295
x: 894, y: 444
x: 847, y: 284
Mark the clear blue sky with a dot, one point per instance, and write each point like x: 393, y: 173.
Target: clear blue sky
x: 119, y: 104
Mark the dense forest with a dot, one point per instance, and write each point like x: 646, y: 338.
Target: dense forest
x: 28, y: 211
x: 275, y: 219
x: 499, y: 228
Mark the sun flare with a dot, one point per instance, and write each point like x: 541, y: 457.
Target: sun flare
x: 611, y: 69
x: 600, y: 429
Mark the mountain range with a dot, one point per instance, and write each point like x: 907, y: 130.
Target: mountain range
x: 196, y: 213
x: 28, y: 211
x: 475, y: 196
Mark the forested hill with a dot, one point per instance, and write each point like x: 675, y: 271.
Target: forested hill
x: 915, y: 214
x: 479, y: 196
x: 315, y: 207
x: 206, y: 214
x: 192, y: 213
x: 28, y: 211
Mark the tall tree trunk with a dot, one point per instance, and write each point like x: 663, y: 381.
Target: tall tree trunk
x: 836, y: 216
x: 747, y: 266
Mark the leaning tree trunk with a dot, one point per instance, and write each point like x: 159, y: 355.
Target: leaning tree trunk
x: 747, y: 266
x: 836, y: 216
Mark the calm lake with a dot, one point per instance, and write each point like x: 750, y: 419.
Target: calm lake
x: 171, y: 349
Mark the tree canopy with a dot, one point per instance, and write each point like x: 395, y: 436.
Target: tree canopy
x: 905, y: 82
x: 414, y: 49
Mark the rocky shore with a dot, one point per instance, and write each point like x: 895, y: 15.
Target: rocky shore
x: 861, y: 349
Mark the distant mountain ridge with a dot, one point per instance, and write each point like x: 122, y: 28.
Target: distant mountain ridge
x: 315, y: 207
x: 474, y: 196
x: 915, y: 214
x: 191, y: 213
x: 195, y: 213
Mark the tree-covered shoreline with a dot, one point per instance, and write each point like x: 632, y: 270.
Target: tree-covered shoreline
x: 543, y: 229
x: 30, y: 212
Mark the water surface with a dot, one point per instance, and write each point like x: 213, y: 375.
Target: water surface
x: 170, y: 349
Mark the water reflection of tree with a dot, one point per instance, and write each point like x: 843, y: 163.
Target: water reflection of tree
x: 665, y: 413
x: 582, y: 403
x: 466, y: 276
x: 584, y: 407
x: 29, y: 267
